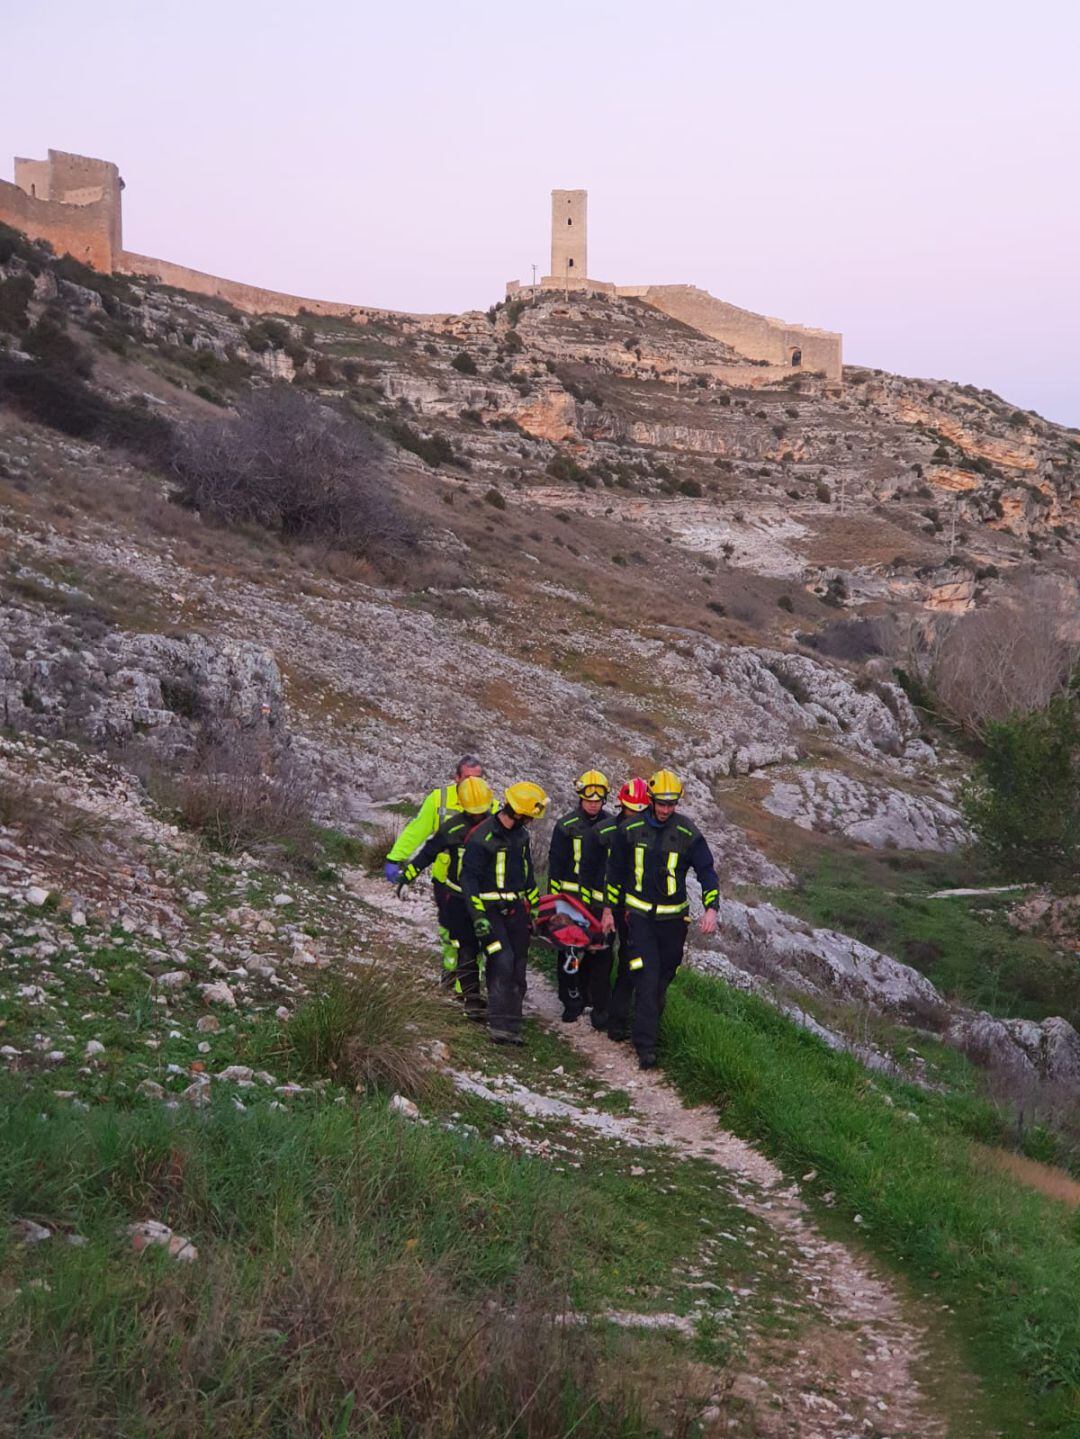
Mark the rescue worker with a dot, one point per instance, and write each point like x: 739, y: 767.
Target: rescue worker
x: 577, y: 865
x: 633, y: 801
x: 475, y: 797
x: 435, y: 808
x: 499, y: 886
x: 649, y: 860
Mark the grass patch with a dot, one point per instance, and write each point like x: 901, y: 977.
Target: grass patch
x: 356, y: 1276
x: 965, y: 947
x: 1006, y: 1259
x: 361, y: 1033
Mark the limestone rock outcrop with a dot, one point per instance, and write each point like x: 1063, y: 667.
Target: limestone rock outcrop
x: 65, y: 679
x: 832, y: 802
x: 1028, y: 1054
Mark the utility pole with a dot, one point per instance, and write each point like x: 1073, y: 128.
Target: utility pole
x: 952, y: 524
x: 534, y: 276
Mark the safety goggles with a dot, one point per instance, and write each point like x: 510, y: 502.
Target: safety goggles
x: 593, y: 791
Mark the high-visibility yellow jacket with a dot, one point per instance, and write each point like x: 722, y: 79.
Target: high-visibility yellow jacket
x: 438, y: 804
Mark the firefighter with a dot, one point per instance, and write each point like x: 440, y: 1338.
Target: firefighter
x: 435, y: 808
x: 649, y: 860
x: 499, y: 886
x: 475, y: 797
x: 577, y: 865
x: 633, y: 801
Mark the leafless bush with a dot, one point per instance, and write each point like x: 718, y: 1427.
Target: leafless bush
x: 1010, y: 658
x: 289, y: 464
x: 39, y: 818
x: 373, y: 849
x: 230, y: 797
x: 854, y: 640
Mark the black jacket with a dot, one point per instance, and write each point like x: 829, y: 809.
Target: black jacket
x: 648, y: 865
x: 497, y: 867
x: 449, y: 838
x: 577, y: 859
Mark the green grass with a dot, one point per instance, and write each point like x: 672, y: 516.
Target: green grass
x: 1007, y: 1260
x: 965, y: 947
x: 356, y: 1276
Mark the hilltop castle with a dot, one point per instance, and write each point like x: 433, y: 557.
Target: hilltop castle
x: 759, y: 337
x: 74, y: 202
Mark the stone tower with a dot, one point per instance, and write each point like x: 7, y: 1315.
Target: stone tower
x: 569, y: 224
x: 72, y: 201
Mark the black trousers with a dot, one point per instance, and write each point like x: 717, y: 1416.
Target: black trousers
x: 655, y: 953
x: 622, y: 992
x: 454, y: 918
x: 505, y: 953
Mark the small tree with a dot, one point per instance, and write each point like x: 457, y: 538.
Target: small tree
x: 1024, y: 803
x: 464, y: 363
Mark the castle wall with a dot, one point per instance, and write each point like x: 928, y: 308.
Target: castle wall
x: 73, y: 201
x: 569, y: 235
x: 251, y: 299
x: 756, y: 336
x: 34, y: 176
x: 84, y: 231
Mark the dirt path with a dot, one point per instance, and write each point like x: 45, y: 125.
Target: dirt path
x: 857, y: 1364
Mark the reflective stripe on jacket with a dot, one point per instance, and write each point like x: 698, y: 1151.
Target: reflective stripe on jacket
x: 649, y: 862
x: 497, y: 867
x: 447, y: 842
x: 577, y: 859
x: 435, y: 808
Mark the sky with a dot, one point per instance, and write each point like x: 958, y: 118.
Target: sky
x: 906, y: 174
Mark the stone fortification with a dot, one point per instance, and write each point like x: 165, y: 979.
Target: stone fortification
x: 758, y: 337
x: 251, y: 299
x: 72, y: 201
x: 569, y: 236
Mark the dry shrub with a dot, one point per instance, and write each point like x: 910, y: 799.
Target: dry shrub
x: 288, y: 463
x: 39, y: 818
x: 1011, y: 658
x: 372, y: 851
x: 854, y: 640
x: 232, y: 799
x: 362, y: 1032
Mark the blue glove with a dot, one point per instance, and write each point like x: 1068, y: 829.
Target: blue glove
x: 392, y: 871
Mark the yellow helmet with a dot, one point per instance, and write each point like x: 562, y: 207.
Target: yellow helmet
x: 666, y: 786
x: 592, y: 785
x: 474, y: 795
x: 525, y: 799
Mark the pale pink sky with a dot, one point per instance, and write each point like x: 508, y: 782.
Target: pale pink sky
x: 905, y: 174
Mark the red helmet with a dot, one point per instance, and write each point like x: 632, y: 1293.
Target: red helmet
x: 634, y: 795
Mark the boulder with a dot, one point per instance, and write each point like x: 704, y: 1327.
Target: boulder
x: 1022, y: 1051
x: 832, y: 802
x: 762, y: 938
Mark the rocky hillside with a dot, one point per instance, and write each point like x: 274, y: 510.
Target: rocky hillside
x: 604, y: 552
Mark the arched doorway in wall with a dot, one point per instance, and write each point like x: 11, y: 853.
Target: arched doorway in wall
x: 796, y: 358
